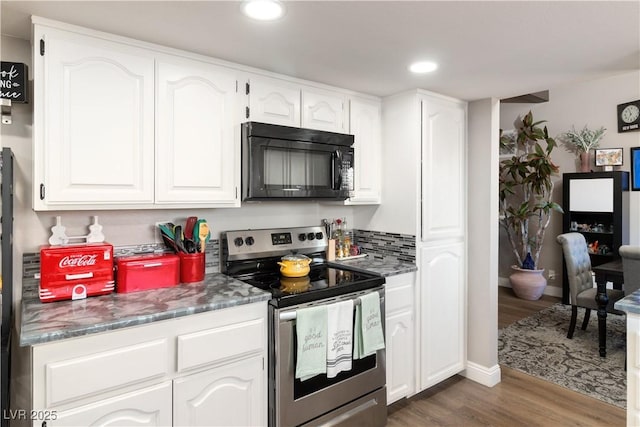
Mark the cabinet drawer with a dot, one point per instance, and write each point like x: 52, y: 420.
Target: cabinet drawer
x: 99, y: 372
x: 213, y: 345
x: 398, y: 297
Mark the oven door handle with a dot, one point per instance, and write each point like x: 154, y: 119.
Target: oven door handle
x: 291, y: 314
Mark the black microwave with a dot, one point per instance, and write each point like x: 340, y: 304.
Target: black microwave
x: 287, y: 163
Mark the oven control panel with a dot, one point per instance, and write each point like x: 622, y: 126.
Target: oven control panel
x: 250, y: 244
x: 282, y: 238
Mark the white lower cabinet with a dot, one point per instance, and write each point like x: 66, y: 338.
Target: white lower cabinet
x: 226, y: 396
x: 633, y: 369
x: 149, y: 406
x: 400, y: 337
x: 443, y: 328
x: 206, y: 369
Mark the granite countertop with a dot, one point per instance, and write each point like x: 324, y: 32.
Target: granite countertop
x: 386, y: 266
x: 44, y: 322
x: 630, y: 303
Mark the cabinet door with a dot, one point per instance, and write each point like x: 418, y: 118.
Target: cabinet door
x: 443, y: 169
x: 93, y: 122
x: 196, y: 152
x: 274, y: 101
x: 147, y: 407
x: 400, y: 349
x: 365, y: 126
x: 442, y: 308
x: 400, y: 336
x: 230, y: 395
x: 323, y: 111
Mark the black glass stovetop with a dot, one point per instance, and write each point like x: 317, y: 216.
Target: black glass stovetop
x: 321, y: 282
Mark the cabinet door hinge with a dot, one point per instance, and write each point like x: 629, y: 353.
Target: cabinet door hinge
x: 41, y: 47
x: 247, y: 112
x: 41, y: 191
x: 247, y: 88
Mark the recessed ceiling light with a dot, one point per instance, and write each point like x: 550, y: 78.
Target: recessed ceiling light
x: 263, y: 10
x: 423, y: 67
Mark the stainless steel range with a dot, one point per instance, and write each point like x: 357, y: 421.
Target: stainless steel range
x: 354, y: 397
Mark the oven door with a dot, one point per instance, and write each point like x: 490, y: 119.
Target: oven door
x: 358, y: 394
x: 285, y: 169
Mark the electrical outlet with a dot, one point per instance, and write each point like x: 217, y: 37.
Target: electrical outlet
x: 552, y: 275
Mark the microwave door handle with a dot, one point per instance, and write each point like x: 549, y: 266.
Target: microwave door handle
x: 336, y: 170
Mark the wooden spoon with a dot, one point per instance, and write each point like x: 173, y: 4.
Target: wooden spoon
x: 204, y: 234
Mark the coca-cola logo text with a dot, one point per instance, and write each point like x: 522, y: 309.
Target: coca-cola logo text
x: 77, y: 261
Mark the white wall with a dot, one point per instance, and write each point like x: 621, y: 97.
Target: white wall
x: 482, y: 250
x: 592, y: 103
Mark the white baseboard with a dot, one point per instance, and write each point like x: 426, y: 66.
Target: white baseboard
x: 482, y: 375
x: 553, y: 291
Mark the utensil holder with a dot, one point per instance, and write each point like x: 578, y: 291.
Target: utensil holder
x: 191, y: 267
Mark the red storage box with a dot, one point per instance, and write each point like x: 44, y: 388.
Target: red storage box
x: 141, y: 273
x: 75, y: 271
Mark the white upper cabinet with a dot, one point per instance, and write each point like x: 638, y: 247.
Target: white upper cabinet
x: 365, y: 125
x: 280, y: 102
x: 273, y: 101
x: 443, y: 169
x: 324, y: 111
x: 118, y: 126
x: 93, y: 122
x: 195, y: 132
x: 124, y: 124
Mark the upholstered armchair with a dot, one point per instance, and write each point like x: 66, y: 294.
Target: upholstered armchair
x: 631, y: 267
x: 581, y: 286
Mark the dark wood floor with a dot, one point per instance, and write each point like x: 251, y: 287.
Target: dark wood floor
x: 518, y: 400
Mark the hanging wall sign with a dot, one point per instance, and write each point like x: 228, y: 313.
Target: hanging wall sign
x: 14, y: 82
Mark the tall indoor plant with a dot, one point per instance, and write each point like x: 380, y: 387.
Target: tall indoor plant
x: 525, y: 192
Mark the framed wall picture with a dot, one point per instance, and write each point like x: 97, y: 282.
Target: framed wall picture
x: 609, y: 157
x: 635, y: 168
x: 508, y: 143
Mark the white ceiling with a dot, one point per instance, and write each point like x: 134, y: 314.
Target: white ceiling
x: 484, y: 48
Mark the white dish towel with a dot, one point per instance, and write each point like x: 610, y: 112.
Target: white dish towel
x: 339, y: 337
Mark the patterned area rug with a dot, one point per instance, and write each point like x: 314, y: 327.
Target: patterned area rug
x: 538, y: 346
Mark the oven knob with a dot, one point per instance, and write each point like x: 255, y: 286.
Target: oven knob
x: 249, y: 241
x: 238, y: 241
x: 311, y: 236
x: 302, y: 237
x: 319, y: 235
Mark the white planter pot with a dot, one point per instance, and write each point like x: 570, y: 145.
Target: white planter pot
x: 527, y: 284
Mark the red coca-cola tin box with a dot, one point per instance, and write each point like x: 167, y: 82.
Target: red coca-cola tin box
x: 144, y: 272
x: 75, y: 271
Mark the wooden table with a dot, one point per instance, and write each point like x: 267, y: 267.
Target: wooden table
x: 608, y: 272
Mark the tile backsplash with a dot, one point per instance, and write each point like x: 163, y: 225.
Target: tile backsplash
x: 382, y: 245
x: 401, y: 247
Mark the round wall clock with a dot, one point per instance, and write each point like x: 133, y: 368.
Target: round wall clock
x: 629, y: 116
